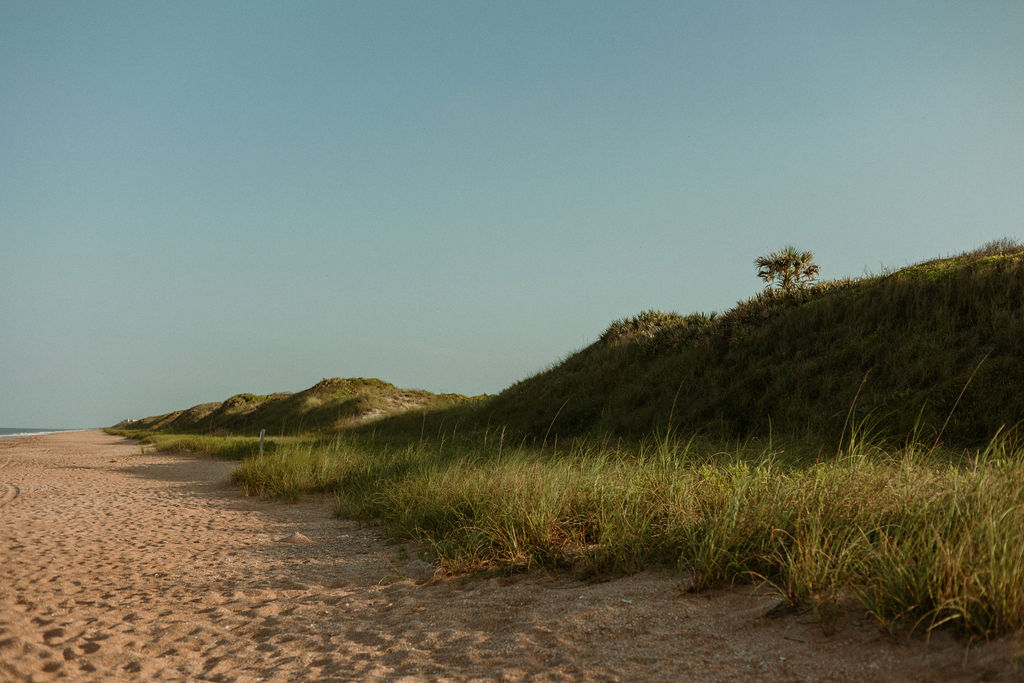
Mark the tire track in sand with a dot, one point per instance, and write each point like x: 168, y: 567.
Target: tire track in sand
x: 8, y: 492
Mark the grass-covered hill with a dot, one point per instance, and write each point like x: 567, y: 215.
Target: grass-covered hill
x: 936, y: 349
x: 330, y: 405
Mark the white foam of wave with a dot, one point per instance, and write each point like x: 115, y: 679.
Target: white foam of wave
x: 16, y: 435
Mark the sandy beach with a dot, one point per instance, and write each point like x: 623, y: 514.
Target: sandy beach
x: 121, y: 565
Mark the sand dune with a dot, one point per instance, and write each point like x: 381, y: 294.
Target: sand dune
x: 120, y: 565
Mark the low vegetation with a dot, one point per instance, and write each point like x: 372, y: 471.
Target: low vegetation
x: 853, y: 443
x: 917, y: 538
x: 226, y: 447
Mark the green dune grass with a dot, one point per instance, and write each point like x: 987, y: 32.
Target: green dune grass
x: 916, y: 538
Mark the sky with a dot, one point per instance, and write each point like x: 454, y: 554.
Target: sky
x: 199, y: 199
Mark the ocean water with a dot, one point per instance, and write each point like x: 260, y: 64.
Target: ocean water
x: 14, y: 432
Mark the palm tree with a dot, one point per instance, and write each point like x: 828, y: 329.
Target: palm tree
x: 804, y: 267
x: 788, y: 268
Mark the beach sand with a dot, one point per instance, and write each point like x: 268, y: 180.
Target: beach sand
x: 119, y: 565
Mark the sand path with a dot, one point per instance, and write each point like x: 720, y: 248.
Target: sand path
x: 116, y: 564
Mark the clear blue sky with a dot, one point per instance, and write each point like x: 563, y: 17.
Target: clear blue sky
x: 204, y: 198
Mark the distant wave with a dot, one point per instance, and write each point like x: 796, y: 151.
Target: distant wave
x: 15, y: 432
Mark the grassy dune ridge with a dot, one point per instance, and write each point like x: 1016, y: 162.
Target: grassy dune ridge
x: 856, y: 444
x: 903, y: 349
x: 329, y: 405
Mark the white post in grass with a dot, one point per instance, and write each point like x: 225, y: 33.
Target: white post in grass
x: 262, y: 432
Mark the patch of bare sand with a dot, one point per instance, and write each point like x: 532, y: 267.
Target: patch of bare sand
x: 120, y: 565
